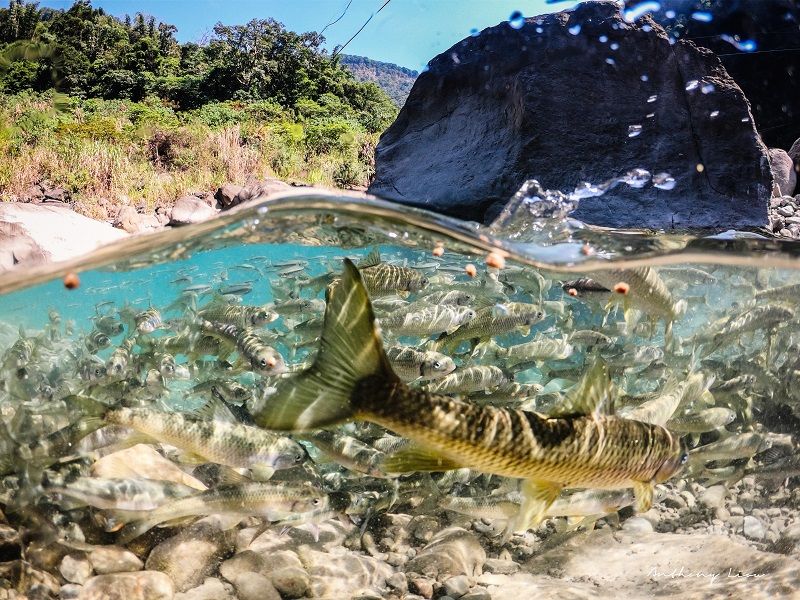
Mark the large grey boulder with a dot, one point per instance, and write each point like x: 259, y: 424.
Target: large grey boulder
x: 32, y: 234
x: 571, y: 97
x: 190, y: 209
x: 783, y: 171
x: 757, y: 42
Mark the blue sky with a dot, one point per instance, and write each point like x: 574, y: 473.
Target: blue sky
x: 406, y: 32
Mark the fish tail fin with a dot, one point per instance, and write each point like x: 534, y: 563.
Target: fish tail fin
x: 350, y: 349
x: 133, y: 530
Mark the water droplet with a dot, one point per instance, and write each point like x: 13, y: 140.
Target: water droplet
x: 516, y: 20
x: 587, y: 190
x: 692, y: 85
x: 614, y: 46
x: 707, y: 88
x: 603, y: 39
x: 575, y: 29
x: 639, y: 10
x: 634, y: 130
x: 650, y: 115
x: 702, y: 16
x: 744, y: 46
x: 611, y: 61
x: 663, y: 181
x: 644, y: 77
x: 670, y: 14
x: 474, y: 32
x: 539, y: 30
x: 652, y: 98
x: 714, y: 113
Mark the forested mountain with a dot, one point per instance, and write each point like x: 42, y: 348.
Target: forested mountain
x: 393, y: 79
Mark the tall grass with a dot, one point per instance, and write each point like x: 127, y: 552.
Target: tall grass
x: 108, y: 153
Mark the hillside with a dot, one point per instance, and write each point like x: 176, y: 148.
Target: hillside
x: 396, y: 81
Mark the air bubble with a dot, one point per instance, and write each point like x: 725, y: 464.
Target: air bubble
x: 611, y: 61
x: 575, y: 29
x: 714, y: 113
x: 652, y: 98
x: 707, y: 88
x: 640, y: 10
x: 603, y: 39
x: 692, y: 85
x: 744, y: 46
x: 516, y: 20
x: 663, y: 181
x: 614, y: 46
x: 702, y: 16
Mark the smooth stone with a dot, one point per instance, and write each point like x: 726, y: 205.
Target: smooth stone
x: 456, y: 586
x: 637, y: 525
x: 69, y: 591
x: 714, y: 496
x: 422, y: 586
x: 144, y: 585
x: 189, y: 210
x: 227, y: 194
x: 753, y: 528
x: 477, y: 593
x: 453, y: 551
x: 191, y: 556
x: 341, y: 571
x: 291, y: 582
x: 75, y: 568
x: 211, y: 589
x: 254, y: 586
x: 244, y: 562
x: 398, y: 582
x: 504, y: 567
x: 736, y: 510
x: 112, y: 559
x: 785, y: 211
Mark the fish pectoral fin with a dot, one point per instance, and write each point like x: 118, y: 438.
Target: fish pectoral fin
x: 417, y: 458
x: 262, y: 472
x: 537, y: 496
x: 231, y: 476
x: 215, y: 410
x: 189, y: 458
x: 643, y: 490
x: 588, y: 522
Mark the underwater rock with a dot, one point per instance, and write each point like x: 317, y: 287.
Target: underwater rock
x: 500, y: 566
x: 291, y: 582
x: 783, y: 171
x: 747, y: 35
x: 75, y: 568
x: 571, y: 97
x: 10, y: 547
x: 211, y: 589
x: 144, y: 585
x: 112, y: 559
x: 342, y: 572
x: 753, y: 528
x: 190, y: 209
x: 457, y: 586
x: 254, y: 586
x: 191, y: 556
x: 32, y: 234
x: 23, y: 577
x: 453, y: 551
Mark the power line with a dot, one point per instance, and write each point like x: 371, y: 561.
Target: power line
x: 337, y: 20
x: 340, y: 48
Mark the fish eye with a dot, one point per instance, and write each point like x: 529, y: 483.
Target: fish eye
x: 684, y: 458
x: 315, y: 501
x: 437, y: 365
x: 263, y: 363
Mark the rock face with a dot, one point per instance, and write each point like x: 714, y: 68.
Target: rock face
x: 190, y: 209
x: 572, y: 97
x: 32, y: 234
x: 766, y: 70
x: 783, y: 172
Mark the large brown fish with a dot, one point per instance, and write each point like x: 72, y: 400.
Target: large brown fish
x: 579, y: 448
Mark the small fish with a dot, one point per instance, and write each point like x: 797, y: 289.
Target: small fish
x: 590, y: 339
x: 381, y: 278
x: 743, y: 445
x: 539, y: 349
x: 470, y: 379
x: 427, y: 321
x: 299, y: 306
x: 348, y: 452
x: 122, y: 494
x: 236, y: 289
x: 707, y: 419
x: 120, y: 359
x: 238, y: 315
x: 351, y: 378
x: 494, y: 320
x: 109, y: 325
x: 148, y: 321
x: 411, y: 364
x: 262, y: 358
x: 96, y: 341
x: 269, y: 501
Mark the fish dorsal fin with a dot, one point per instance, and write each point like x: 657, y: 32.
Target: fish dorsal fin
x: 593, y: 395
x: 371, y: 259
x: 215, y: 410
x: 350, y: 350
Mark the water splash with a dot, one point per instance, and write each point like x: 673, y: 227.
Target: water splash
x: 743, y: 45
x: 640, y: 10
x: 516, y: 20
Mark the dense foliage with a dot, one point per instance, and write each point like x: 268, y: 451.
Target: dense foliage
x: 95, y: 55
x: 115, y: 111
x: 393, y: 79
